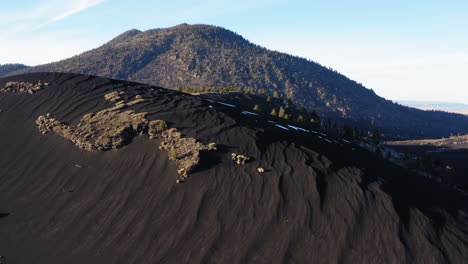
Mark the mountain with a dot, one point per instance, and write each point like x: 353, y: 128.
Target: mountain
x: 95, y: 170
x: 443, y: 106
x: 9, y: 68
x: 208, y: 56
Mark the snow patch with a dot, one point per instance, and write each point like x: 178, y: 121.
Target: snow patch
x: 298, y: 128
x: 230, y: 105
x: 212, y: 101
x: 248, y: 113
x: 282, y: 127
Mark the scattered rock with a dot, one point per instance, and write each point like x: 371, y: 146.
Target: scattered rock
x: 240, y: 159
x: 119, y: 105
x: 155, y: 127
x: 23, y: 87
x: 260, y: 170
x: 136, y: 101
x: 187, y: 150
x: 212, y: 146
x: 114, y: 96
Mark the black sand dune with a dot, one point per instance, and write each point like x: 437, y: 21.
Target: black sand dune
x: 320, y: 200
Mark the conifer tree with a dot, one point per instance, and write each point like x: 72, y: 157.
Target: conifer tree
x: 256, y: 107
x: 281, y: 112
x: 300, y: 118
x: 273, y: 112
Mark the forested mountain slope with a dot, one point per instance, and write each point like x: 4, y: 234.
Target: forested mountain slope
x: 203, y: 56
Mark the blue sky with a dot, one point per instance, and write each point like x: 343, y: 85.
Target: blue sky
x: 403, y: 50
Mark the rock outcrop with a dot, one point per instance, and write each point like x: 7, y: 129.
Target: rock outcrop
x: 112, y: 128
x: 108, y: 129
x: 23, y: 87
x: 114, y: 96
x: 103, y: 130
x: 155, y: 128
x: 185, y: 151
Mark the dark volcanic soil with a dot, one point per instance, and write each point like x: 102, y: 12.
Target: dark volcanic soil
x: 320, y: 200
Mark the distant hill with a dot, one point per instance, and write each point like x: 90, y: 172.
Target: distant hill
x: 8, y: 68
x: 443, y: 106
x: 209, y: 56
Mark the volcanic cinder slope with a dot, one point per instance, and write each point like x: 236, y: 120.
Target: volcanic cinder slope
x: 208, y: 56
x: 319, y: 199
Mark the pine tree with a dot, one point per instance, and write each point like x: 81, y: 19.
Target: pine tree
x: 256, y: 108
x: 281, y: 112
x: 273, y: 112
x: 268, y: 99
x: 276, y: 94
x: 300, y: 118
x: 286, y: 116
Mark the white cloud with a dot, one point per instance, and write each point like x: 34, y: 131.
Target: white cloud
x: 36, y: 17
x: 25, y: 38
x: 73, y: 8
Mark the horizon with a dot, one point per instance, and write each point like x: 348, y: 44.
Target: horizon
x: 402, y: 51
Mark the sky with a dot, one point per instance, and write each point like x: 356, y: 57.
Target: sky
x: 403, y: 50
